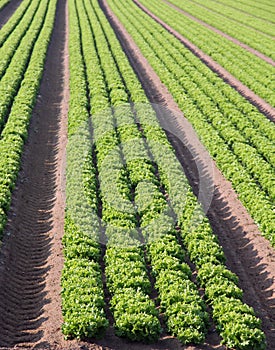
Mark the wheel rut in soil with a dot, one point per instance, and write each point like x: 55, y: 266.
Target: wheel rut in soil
x: 8, y: 11
x: 264, y: 107
x: 230, y: 38
x: 31, y: 253
x: 248, y: 254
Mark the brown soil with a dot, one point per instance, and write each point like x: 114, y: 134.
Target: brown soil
x: 8, y: 11
x: 233, y: 19
x: 245, y: 12
x: 230, y: 38
x: 254, y: 99
x: 31, y: 255
x: 249, y: 255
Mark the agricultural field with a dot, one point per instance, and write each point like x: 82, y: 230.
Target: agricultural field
x: 137, y: 182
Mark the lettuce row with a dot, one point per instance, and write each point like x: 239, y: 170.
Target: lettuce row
x: 183, y: 308
x: 155, y: 216
x: 134, y: 313
x: 13, y: 41
x: 242, y: 31
x: 261, y: 10
x: 185, y: 92
x: 3, y: 3
x: 14, y: 20
x: 113, y: 267
x: 205, y: 252
x: 212, y: 94
x: 83, y: 300
x: 251, y: 70
x: 165, y: 254
x: 15, y: 131
x: 87, y: 317
x: 124, y: 219
x: 15, y: 71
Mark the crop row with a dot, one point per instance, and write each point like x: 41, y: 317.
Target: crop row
x: 12, y: 42
x: 156, y: 139
x: 250, y: 16
x: 129, y: 287
x: 82, y: 288
x: 202, y: 246
x: 17, y: 111
x: 179, y: 299
x: 264, y: 10
x: 246, y: 67
x: 15, y: 55
x: 125, y: 142
x: 221, y: 117
x: 3, y: 3
x: 248, y: 29
x: 7, y: 29
x: 235, y: 105
x: 122, y: 282
x: 219, y: 19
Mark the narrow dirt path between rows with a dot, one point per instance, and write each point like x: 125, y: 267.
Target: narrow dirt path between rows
x: 249, y: 255
x: 31, y: 254
x: 232, y: 19
x: 8, y: 11
x: 254, y: 99
x: 230, y: 38
x: 243, y: 11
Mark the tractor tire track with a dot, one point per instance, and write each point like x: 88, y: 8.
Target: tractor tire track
x: 31, y: 254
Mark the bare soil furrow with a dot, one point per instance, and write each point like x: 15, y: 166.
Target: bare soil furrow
x: 233, y: 19
x: 8, y: 11
x: 245, y: 12
x: 264, y: 107
x: 230, y: 38
x: 31, y: 254
x: 248, y: 254
x: 13, y: 295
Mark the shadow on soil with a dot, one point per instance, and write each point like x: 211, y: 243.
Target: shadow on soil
x: 26, y: 244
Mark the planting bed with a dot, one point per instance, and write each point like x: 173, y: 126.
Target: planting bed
x: 136, y: 177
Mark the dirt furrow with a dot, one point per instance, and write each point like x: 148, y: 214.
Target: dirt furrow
x: 264, y: 107
x: 230, y: 38
x: 243, y: 11
x: 249, y: 255
x: 233, y: 19
x: 31, y: 254
x: 8, y: 11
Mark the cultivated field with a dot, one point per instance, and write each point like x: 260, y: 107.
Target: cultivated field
x: 137, y: 180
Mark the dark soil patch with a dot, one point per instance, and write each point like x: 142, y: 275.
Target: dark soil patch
x: 8, y: 11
